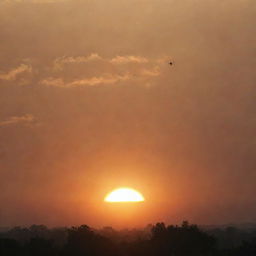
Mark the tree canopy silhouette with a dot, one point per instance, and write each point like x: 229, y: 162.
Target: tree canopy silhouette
x: 155, y: 240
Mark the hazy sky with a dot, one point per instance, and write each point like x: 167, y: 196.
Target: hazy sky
x: 88, y: 103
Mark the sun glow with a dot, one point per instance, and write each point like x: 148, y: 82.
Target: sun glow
x: 124, y: 195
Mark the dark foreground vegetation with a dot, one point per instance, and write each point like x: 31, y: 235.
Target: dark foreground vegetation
x: 154, y: 240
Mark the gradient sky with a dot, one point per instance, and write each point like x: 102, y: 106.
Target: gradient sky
x: 89, y: 103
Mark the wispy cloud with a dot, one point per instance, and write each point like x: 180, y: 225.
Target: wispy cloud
x: 151, y: 72
x: 146, y: 69
x: 93, y: 81
x: 12, y: 74
x: 118, y: 60
x: 59, y: 62
x: 27, y: 118
x: 128, y: 59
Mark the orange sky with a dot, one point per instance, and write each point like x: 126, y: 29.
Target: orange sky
x: 88, y: 103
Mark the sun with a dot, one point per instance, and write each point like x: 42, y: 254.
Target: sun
x: 124, y: 195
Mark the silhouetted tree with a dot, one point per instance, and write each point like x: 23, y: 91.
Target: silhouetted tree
x: 82, y: 241
x: 154, y: 240
x: 41, y: 247
x: 184, y: 240
x: 10, y: 247
x: 246, y: 249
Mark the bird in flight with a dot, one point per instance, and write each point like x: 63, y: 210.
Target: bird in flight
x: 171, y: 63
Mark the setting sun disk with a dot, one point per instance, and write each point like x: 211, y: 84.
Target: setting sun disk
x: 124, y: 195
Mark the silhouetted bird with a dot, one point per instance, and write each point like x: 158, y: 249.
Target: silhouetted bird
x: 171, y: 63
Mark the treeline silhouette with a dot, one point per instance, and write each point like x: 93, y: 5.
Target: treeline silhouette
x: 154, y: 240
